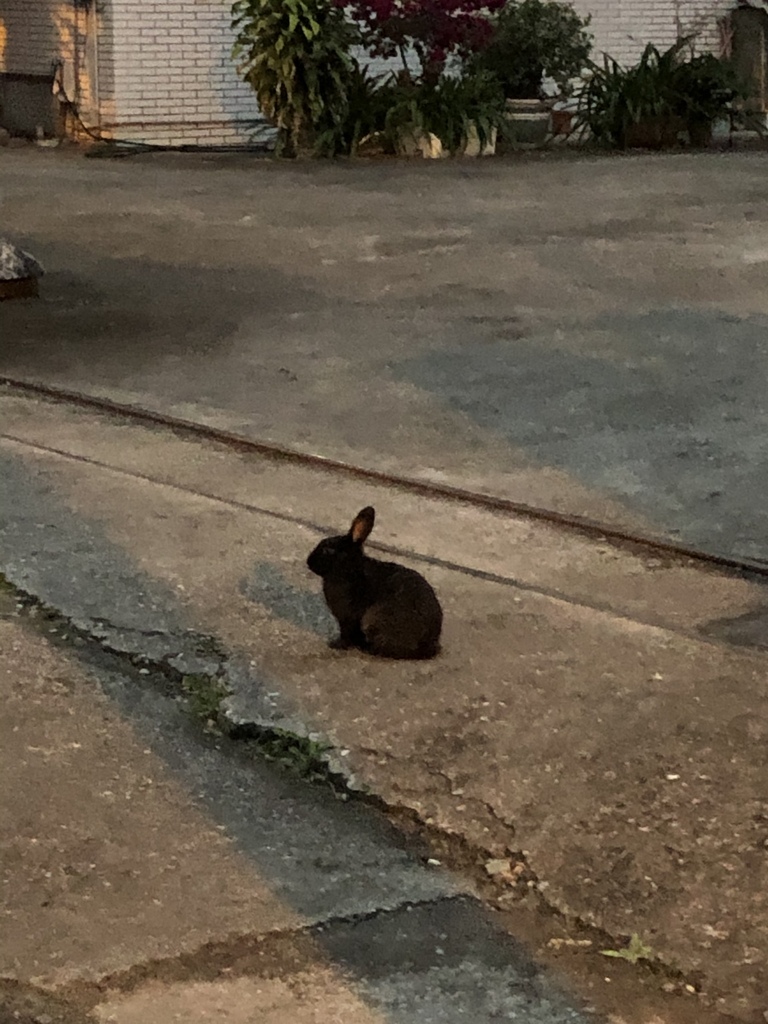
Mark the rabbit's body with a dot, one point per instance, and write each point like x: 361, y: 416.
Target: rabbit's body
x: 381, y: 607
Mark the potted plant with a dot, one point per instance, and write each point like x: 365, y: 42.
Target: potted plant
x: 633, y: 107
x: 650, y: 104
x: 468, y: 113
x: 453, y: 114
x: 705, y: 87
x: 534, y: 40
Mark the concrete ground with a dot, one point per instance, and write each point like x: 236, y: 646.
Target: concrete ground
x: 592, y: 736
x: 583, y: 334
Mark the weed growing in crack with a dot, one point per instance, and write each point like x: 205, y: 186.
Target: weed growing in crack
x: 299, y: 755
x: 635, y: 951
x: 205, y: 695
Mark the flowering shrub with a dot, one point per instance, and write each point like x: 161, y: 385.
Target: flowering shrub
x: 434, y: 29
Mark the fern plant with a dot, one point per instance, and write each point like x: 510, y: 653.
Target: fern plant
x: 295, y: 54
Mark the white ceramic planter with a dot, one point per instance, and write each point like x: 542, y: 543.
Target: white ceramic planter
x: 530, y: 122
x: 472, y: 146
x: 424, y: 144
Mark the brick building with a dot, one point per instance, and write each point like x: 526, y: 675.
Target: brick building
x: 161, y: 70
x: 157, y: 71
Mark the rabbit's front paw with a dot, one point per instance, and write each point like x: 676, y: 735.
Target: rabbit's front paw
x: 339, y: 643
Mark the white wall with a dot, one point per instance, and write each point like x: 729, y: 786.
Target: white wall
x: 173, y: 77
x: 622, y: 28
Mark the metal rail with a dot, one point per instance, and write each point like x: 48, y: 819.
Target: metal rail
x: 638, y: 542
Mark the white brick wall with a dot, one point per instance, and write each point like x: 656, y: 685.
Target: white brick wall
x: 622, y: 28
x: 172, y: 77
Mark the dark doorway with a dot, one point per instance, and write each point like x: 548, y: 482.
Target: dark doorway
x: 27, y: 105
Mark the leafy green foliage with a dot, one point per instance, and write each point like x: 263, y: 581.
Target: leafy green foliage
x: 649, y: 103
x: 705, y: 86
x: 204, y: 694
x: 298, y: 755
x: 296, y: 56
x: 635, y: 951
x: 615, y: 98
x: 449, y: 108
x: 367, y: 103
x: 533, y: 39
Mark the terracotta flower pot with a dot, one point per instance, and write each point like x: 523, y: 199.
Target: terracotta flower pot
x: 700, y: 133
x: 562, y: 122
x: 653, y: 133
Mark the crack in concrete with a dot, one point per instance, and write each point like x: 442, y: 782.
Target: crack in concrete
x: 255, y: 954
x: 206, y: 644
x: 463, y: 853
x: 519, y: 884
x: 192, y: 653
x: 449, y: 785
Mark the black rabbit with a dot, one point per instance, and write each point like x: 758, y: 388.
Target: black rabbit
x: 381, y: 607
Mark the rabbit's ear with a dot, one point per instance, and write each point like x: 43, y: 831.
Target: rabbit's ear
x: 362, y: 525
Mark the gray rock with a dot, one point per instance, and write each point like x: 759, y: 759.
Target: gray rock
x: 16, y: 264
